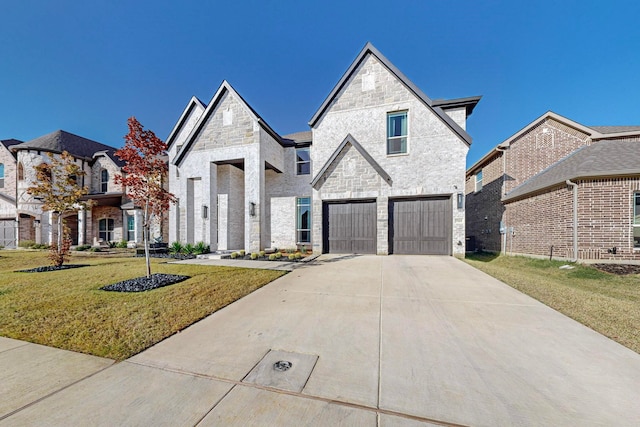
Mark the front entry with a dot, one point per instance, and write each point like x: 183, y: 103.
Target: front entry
x: 349, y: 227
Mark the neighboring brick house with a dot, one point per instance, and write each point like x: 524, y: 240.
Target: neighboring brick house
x: 113, y: 218
x: 557, y: 183
x: 381, y: 170
x: 8, y: 224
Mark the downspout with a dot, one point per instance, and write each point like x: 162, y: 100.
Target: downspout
x: 575, y: 218
x: 503, y: 150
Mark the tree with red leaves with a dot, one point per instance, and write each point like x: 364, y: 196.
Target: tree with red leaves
x: 145, y: 172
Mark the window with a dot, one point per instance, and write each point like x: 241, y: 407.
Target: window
x: 104, y: 180
x: 131, y: 228
x: 303, y: 223
x: 397, y: 133
x: 1, y: 175
x: 20, y: 172
x: 479, y: 180
x: 303, y: 161
x: 636, y: 220
x: 105, y: 230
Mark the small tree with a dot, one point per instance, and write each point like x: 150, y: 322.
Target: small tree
x: 145, y: 172
x: 57, y: 186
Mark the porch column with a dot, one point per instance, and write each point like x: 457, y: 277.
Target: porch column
x: 81, y: 227
x: 213, y: 206
x: 52, y: 235
x: 254, y: 200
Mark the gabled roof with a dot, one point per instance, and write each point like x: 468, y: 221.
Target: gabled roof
x: 8, y: 143
x: 78, y: 146
x: 355, y: 144
x: 369, y: 49
x: 604, y: 159
x: 224, y: 88
x: 596, y: 133
x: 469, y: 103
x: 194, y: 103
x: 298, y: 138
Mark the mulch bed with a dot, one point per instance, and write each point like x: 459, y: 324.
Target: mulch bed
x: 144, y: 283
x: 52, y: 268
x: 620, y: 269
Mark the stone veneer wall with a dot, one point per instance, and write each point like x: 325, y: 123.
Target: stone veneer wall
x: 9, y: 183
x: 434, y: 164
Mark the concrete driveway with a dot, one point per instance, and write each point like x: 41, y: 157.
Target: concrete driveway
x: 390, y: 341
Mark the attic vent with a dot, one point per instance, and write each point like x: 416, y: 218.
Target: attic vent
x: 544, y: 140
x: 227, y: 117
x: 368, y: 82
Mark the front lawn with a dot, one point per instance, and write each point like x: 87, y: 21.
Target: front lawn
x: 66, y: 309
x: 605, y: 302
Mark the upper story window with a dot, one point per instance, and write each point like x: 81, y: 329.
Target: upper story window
x: 636, y: 220
x: 20, y: 172
x: 479, y: 180
x: 397, y: 133
x: 104, y: 180
x: 1, y: 175
x: 303, y: 161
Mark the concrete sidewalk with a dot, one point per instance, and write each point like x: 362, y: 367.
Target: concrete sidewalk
x: 399, y: 340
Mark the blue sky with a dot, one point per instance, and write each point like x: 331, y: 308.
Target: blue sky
x: 86, y: 66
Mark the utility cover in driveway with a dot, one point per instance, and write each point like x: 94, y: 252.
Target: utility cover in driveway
x: 350, y: 227
x: 283, y: 370
x: 421, y: 226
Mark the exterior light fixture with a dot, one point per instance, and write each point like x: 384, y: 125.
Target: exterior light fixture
x: 252, y: 209
x: 205, y: 211
x: 460, y: 200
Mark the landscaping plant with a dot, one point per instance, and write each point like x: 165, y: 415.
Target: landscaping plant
x: 145, y: 173
x: 57, y: 187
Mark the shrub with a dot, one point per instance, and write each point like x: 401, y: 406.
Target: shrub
x: 113, y: 245
x: 122, y: 244
x: 292, y: 257
x: 254, y: 256
x: 26, y: 243
x: 175, y: 248
x: 278, y: 255
x: 201, y: 248
x: 242, y: 252
x: 261, y: 254
x: 95, y: 249
x: 234, y: 255
x: 298, y: 255
x: 272, y: 257
x: 39, y: 246
x: 188, y: 249
x: 83, y: 247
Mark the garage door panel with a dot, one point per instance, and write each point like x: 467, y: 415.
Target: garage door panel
x: 8, y: 233
x: 421, y: 226
x: 350, y: 227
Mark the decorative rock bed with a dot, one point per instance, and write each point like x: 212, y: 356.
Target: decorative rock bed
x: 52, y: 268
x: 144, y: 283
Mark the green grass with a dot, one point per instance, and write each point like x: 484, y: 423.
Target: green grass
x: 66, y: 309
x: 605, y: 302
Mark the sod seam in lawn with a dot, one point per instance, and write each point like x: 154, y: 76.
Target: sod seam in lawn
x: 66, y: 309
x: 605, y: 302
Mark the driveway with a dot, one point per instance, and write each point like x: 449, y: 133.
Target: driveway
x: 391, y: 341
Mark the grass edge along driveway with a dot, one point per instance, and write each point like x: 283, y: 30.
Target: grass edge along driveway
x: 66, y: 309
x: 606, y: 303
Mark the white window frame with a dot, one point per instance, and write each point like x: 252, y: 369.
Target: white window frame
x: 1, y: 175
x: 303, y: 162
x: 391, y: 114
x: 478, y: 181
x: 131, y: 218
x: 104, y: 185
x: 300, y: 203
x: 635, y: 221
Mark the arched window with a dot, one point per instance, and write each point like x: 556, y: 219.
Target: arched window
x: 20, y: 172
x: 104, y: 180
x: 1, y: 175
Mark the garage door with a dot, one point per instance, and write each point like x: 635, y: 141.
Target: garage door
x: 350, y: 227
x: 421, y: 226
x: 8, y: 233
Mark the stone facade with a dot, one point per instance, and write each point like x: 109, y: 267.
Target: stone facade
x: 225, y: 158
x: 534, y: 223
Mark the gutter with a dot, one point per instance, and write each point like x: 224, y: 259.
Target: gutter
x: 575, y: 218
x: 503, y: 150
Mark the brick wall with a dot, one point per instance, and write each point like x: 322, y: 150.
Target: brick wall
x: 605, y: 215
x: 484, y: 233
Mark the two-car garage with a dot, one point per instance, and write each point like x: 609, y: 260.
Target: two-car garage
x: 416, y: 226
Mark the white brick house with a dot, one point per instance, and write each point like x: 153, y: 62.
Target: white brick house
x: 381, y: 170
